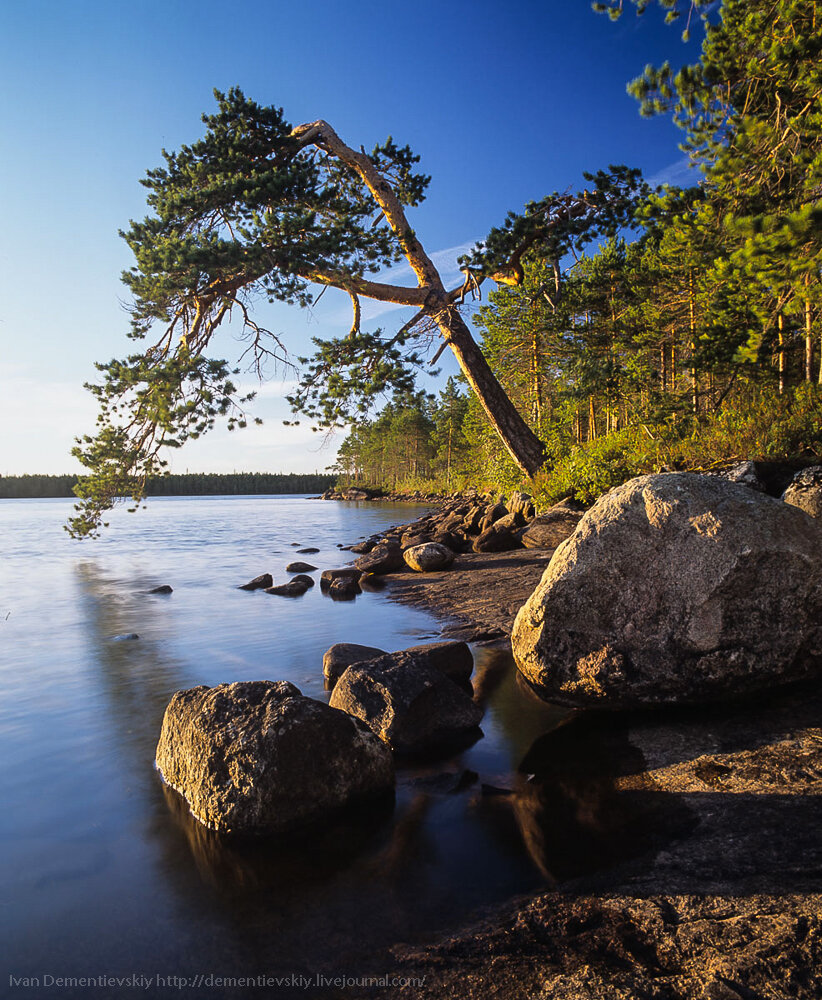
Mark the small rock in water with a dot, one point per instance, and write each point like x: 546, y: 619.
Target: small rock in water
x: 125, y: 637
x: 307, y: 552
x: 258, y: 583
x: 303, y: 579
x: 344, y: 588
x: 294, y: 588
x: 163, y: 589
x: 299, y: 567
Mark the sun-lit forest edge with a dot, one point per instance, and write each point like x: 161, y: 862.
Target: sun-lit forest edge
x: 692, y: 339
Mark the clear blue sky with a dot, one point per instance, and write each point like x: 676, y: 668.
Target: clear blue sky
x: 505, y: 102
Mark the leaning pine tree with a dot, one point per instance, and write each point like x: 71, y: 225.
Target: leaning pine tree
x: 258, y: 209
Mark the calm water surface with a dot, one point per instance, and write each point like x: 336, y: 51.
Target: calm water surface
x: 103, y: 870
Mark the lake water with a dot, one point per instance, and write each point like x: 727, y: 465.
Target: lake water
x: 104, y: 873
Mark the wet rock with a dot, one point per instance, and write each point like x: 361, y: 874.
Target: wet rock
x: 341, y: 655
x: 294, y: 588
x: 428, y: 557
x: 328, y: 576
x: 306, y: 581
x: 344, y: 588
x: 674, y: 589
x: 257, y: 757
x: 383, y: 558
x: 805, y: 491
x: 406, y: 702
x: 547, y: 530
x: 125, y: 637
x: 300, y: 567
x: 307, y: 552
x: 162, y: 589
x: 258, y: 583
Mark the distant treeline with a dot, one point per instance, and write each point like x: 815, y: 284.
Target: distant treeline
x: 187, y: 484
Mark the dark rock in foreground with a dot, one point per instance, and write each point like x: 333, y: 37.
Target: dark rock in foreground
x: 257, y: 757
x: 674, y: 589
x: 451, y: 658
x: 259, y: 582
x: 406, y: 702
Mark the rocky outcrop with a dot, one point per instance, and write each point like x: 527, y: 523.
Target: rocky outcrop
x: 674, y: 589
x: 339, y: 657
x: 386, y: 557
x: 259, y: 582
x: 409, y: 704
x: 548, y: 530
x: 257, y: 757
x: 428, y: 557
x: 805, y: 491
x: 497, y: 538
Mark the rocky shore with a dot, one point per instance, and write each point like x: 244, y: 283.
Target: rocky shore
x: 718, y: 893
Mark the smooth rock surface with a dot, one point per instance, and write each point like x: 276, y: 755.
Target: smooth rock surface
x: 339, y: 657
x: 300, y: 567
x: 675, y: 589
x: 294, y: 588
x: 406, y: 702
x: 452, y: 658
x: 257, y: 757
x: 428, y: 557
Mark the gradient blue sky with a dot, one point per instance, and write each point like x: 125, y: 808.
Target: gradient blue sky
x: 504, y: 101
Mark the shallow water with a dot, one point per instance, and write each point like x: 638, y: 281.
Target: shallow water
x: 103, y: 870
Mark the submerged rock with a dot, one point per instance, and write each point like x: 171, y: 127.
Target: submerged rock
x: 406, y: 702
x: 300, y: 567
x: 162, y: 589
x: 310, y: 551
x: 257, y: 757
x: 674, y: 589
x: 259, y: 582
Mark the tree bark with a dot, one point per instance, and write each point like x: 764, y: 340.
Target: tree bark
x: 524, y: 447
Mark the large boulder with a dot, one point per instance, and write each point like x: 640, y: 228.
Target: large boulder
x: 406, y: 702
x: 257, y: 757
x: 339, y: 657
x: 547, y: 530
x: 805, y: 491
x: 675, y: 589
x: 428, y: 557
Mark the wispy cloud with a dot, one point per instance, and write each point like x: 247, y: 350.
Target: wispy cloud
x: 680, y: 173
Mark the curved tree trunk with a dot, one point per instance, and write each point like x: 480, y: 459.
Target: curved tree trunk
x: 522, y: 444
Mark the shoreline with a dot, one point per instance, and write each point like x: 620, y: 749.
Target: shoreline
x: 728, y: 907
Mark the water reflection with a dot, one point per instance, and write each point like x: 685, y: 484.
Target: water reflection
x: 573, y: 819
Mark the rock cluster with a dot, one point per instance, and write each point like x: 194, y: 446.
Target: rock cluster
x: 257, y: 757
